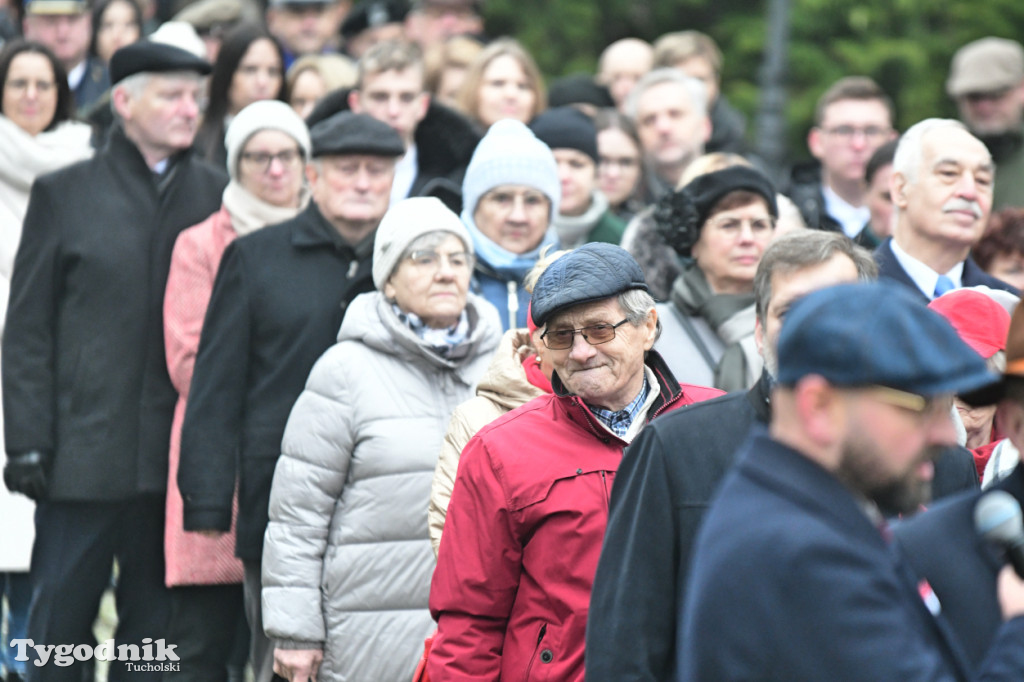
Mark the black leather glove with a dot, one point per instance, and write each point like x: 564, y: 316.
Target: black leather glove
x: 26, y: 473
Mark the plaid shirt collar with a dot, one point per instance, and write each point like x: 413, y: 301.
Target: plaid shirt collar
x: 619, y: 422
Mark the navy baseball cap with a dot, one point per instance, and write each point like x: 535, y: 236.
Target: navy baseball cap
x: 593, y: 272
x: 874, y: 334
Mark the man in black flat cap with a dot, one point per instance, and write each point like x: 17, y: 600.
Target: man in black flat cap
x: 277, y: 304
x: 532, y: 487
x: 87, y: 399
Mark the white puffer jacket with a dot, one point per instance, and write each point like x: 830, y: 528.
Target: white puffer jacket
x: 347, y: 561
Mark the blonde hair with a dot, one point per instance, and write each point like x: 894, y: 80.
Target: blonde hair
x: 335, y: 70
x: 458, y: 52
x: 709, y: 163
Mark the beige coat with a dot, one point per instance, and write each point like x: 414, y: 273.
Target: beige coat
x: 503, y: 388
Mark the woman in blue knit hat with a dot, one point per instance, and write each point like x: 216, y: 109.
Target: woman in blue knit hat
x: 510, y: 194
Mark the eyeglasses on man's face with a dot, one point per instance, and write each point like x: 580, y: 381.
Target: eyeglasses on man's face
x: 595, y: 335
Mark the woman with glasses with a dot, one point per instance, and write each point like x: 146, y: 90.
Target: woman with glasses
x: 347, y: 560
x: 510, y: 196
x: 267, y: 147
x: 719, y: 224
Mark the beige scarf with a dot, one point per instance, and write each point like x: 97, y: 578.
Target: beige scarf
x: 250, y: 213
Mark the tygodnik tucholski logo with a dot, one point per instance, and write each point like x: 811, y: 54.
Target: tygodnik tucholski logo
x: 151, y: 656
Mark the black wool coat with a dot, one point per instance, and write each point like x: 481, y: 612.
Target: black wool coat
x: 84, y: 370
x: 277, y: 305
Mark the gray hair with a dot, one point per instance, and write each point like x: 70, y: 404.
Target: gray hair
x: 136, y: 84
x: 695, y: 89
x: 804, y: 249
x: 430, y: 241
x: 637, y: 305
x: 907, y: 159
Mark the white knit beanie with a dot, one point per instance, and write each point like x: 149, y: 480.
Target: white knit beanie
x: 263, y: 115
x: 403, y: 224
x: 510, y: 154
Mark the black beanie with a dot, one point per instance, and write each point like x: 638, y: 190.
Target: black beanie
x: 566, y: 128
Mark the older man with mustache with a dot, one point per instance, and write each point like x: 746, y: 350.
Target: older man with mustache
x: 942, y: 193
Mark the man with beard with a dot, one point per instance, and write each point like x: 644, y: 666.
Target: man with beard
x: 941, y: 186
x: 986, y: 81
x: 793, y: 576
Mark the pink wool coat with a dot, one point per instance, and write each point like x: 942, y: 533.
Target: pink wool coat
x: 192, y: 559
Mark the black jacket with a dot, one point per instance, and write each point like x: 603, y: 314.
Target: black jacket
x: 662, y: 491
x: 728, y: 129
x: 445, y: 141
x: 805, y: 191
x: 277, y: 304
x: 890, y: 269
x: 84, y: 371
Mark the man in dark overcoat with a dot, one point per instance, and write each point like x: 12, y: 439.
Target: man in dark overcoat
x: 87, y: 399
x: 277, y: 304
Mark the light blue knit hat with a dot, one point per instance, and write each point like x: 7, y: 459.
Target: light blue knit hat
x: 510, y: 154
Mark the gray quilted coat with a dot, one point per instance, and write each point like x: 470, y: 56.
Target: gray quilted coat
x: 347, y: 561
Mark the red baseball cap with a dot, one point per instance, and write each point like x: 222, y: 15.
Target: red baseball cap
x: 982, y: 323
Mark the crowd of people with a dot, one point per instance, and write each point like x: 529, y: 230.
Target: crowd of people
x: 338, y: 345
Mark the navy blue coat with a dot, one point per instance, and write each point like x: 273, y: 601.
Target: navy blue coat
x: 662, y: 490
x: 942, y: 546
x: 973, y: 275
x: 792, y: 581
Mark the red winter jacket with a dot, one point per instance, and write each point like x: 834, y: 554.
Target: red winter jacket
x: 523, y: 535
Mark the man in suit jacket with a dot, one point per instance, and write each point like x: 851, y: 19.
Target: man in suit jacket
x: 793, y: 578
x: 942, y: 192
x: 87, y: 399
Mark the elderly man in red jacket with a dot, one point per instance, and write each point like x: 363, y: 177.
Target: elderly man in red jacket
x: 528, y: 511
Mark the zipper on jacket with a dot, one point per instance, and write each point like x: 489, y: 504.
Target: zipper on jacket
x: 353, y: 267
x: 513, y: 303
x: 536, y: 649
x: 607, y: 493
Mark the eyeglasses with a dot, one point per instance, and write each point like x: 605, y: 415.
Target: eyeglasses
x: 431, y: 260
x: 507, y: 199
x: 765, y: 224
x: 21, y: 85
x: 261, y: 160
x: 595, y: 335
x: 918, y: 404
x: 848, y: 133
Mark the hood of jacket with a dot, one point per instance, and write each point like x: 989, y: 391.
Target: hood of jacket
x: 505, y: 382
x: 371, y: 320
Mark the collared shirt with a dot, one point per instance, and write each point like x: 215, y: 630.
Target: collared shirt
x: 405, y: 175
x: 620, y: 421
x: 924, y: 277
x: 851, y: 218
x: 76, y: 74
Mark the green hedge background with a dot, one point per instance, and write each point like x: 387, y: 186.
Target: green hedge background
x: 905, y: 45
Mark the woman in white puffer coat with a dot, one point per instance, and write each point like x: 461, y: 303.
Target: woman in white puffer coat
x: 347, y: 560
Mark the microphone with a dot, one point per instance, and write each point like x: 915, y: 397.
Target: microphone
x: 997, y: 518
